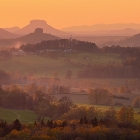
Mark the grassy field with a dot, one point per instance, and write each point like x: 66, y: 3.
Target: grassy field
x: 95, y: 58
x: 42, y: 66
x: 25, y: 116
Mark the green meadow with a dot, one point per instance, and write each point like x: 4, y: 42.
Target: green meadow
x: 25, y: 116
x: 45, y: 66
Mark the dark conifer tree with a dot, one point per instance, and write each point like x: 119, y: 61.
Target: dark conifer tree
x: 85, y: 120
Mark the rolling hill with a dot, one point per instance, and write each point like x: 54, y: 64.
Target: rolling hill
x: 31, y: 38
x: 36, y: 37
x: 133, y: 41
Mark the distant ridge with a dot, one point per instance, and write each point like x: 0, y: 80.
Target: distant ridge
x: 7, y: 35
x: 133, y: 41
x: 39, y: 24
x: 12, y: 29
x: 105, y: 29
x: 95, y: 27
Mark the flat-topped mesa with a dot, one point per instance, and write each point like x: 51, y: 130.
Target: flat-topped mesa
x: 38, y: 31
x: 38, y: 22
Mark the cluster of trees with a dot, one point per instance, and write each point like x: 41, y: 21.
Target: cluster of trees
x: 136, y: 102
x: 100, y: 96
x: 15, y: 98
x: 123, y: 51
x: 7, y: 128
x: 67, y: 76
x: 37, y: 100
x: 4, y: 77
x: 56, y: 89
x: 74, y: 44
x: 110, y: 71
x: 14, y: 78
x: 112, y: 126
x: 125, y: 114
x: 48, y: 106
x: 19, y: 78
x: 5, y: 54
x: 61, y: 44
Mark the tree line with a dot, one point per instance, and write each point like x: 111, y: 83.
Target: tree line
x: 110, y: 71
x: 74, y: 44
x: 4, y: 77
x: 61, y: 44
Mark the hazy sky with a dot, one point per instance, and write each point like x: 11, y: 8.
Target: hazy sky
x: 64, y: 13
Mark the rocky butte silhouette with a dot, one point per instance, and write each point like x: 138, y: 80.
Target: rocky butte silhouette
x: 40, y: 24
x: 32, y: 38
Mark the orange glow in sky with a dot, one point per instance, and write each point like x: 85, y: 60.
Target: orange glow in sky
x: 64, y: 13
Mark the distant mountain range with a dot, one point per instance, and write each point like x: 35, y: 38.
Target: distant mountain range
x: 117, y: 26
x: 105, y: 29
